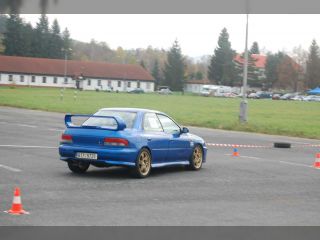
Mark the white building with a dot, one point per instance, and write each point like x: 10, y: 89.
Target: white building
x: 195, y: 86
x: 86, y: 75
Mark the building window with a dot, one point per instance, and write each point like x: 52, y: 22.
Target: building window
x: 21, y: 78
x: 138, y: 84
x: 119, y: 83
x: 33, y: 78
x: 129, y: 85
x: 10, y: 78
x: 148, y: 85
x: 65, y: 80
x: 44, y: 79
x: 99, y: 82
x: 55, y: 80
x: 109, y: 83
x: 89, y: 82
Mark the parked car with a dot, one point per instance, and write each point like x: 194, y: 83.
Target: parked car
x: 289, y: 96
x: 136, y: 90
x: 252, y: 95
x: 139, y: 139
x: 276, y: 96
x: 312, y: 98
x: 165, y: 91
x: 261, y: 95
x: 298, y: 98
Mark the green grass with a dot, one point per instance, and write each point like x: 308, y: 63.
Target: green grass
x: 291, y: 118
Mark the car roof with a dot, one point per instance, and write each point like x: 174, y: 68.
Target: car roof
x: 132, y: 110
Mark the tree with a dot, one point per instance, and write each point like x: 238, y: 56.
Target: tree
x: 66, y: 43
x: 41, y: 45
x: 13, y: 38
x: 288, y: 74
x: 155, y: 72
x: 252, y: 74
x: 271, y: 68
x: 313, y: 66
x: 55, y: 41
x: 254, y: 48
x: 174, y: 68
x: 142, y: 64
x: 222, y: 68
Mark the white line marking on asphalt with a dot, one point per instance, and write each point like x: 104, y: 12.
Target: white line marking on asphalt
x: 242, y: 156
x: 296, y: 164
x: 10, y: 168
x: 24, y: 146
x: 55, y: 129
x: 26, y: 125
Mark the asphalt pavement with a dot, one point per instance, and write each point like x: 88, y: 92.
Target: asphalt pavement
x: 264, y: 186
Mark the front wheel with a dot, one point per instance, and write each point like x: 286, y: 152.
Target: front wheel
x: 196, y: 158
x: 142, y: 167
x: 78, y: 167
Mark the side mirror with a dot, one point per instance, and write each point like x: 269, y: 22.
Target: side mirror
x: 184, y: 130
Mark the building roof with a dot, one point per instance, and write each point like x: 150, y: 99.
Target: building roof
x: 56, y: 67
x: 203, y: 81
x: 260, y: 60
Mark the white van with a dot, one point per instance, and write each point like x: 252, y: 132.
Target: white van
x: 216, y: 91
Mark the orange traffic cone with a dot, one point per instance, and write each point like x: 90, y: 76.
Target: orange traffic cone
x: 16, y: 208
x: 235, y: 151
x: 317, y: 161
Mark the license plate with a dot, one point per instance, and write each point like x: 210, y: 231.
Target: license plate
x: 91, y: 156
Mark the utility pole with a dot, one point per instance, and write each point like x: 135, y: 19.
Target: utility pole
x: 243, y: 116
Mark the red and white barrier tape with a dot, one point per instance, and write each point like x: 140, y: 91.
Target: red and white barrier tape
x: 255, y: 146
x: 238, y: 145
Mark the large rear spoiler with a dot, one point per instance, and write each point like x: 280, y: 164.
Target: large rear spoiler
x: 120, y: 123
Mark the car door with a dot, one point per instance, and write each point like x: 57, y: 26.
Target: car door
x: 157, y: 139
x: 179, y: 143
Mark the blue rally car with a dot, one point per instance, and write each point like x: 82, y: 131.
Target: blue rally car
x: 140, y: 139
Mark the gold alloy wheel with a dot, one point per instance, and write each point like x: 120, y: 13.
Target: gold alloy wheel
x: 197, y: 157
x: 144, y: 162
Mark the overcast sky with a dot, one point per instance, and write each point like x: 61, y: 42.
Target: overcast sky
x: 197, y: 34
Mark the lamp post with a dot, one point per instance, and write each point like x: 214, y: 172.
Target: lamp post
x: 244, y: 103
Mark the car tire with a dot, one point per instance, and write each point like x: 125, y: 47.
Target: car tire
x: 143, y: 162
x: 78, y: 167
x: 282, y: 145
x: 196, y: 158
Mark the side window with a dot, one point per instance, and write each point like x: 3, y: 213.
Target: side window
x: 168, y: 125
x: 151, y: 123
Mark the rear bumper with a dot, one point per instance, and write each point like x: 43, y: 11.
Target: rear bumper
x: 107, y: 156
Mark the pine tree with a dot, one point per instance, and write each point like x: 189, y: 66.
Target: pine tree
x: 66, y: 43
x: 155, y: 73
x: 13, y: 38
x: 174, y: 68
x: 254, y: 48
x: 42, y: 35
x: 28, y: 40
x: 55, y: 41
x: 313, y: 66
x: 222, y: 69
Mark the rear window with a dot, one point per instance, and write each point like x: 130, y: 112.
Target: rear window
x: 128, y: 118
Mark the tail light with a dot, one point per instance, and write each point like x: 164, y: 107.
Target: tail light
x: 116, y: 142
x: 65, y: 138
